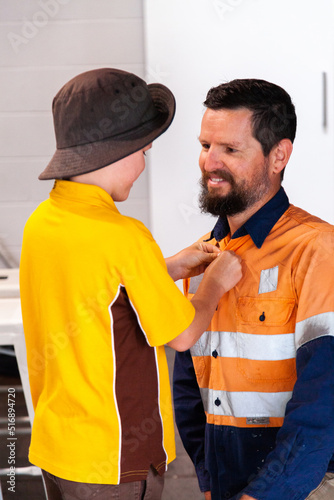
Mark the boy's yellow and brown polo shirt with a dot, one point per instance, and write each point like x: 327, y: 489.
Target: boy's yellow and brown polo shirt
x: 98, y: 306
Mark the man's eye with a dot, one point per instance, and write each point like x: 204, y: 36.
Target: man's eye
x: 231, y: 150
x: 206, y: 146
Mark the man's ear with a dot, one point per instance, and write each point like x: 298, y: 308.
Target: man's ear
x: 280, y: 155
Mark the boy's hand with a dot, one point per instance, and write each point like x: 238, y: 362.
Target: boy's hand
x: 225, y: 271
x: 220, y: 276
x: 191, y: 261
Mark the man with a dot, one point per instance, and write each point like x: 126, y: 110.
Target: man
x: 264, y: 367
x: 99, y: 301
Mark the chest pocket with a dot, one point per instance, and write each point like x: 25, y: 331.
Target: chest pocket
x: 262, y: 313
x: 265, y: 338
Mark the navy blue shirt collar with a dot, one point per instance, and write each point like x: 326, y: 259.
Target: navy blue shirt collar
x: 259, y: 225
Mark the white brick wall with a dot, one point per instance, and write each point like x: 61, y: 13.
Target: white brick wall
x: 44, y: 43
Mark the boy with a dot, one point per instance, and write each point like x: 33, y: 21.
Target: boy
x: 98, y: 303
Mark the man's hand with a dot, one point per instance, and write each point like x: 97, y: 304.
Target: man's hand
x: 191, y: 261
x: 207, y: 495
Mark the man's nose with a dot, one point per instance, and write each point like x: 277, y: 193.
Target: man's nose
x: 212, y: 161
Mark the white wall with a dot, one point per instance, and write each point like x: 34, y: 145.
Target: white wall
x: 198, y: 44
x: 190, y: 45
x: 44, y: 43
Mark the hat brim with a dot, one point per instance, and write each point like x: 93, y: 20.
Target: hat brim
x: 92, y: 156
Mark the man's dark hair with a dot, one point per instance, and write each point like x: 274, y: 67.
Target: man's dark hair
x: 274, y: 116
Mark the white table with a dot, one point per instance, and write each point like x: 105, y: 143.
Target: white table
x: 11, y: 333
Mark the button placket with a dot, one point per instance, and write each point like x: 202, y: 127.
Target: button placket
x: 215, y: 354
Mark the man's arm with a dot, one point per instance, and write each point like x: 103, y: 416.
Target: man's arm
x: 190, y: 417
x: 305, y: 443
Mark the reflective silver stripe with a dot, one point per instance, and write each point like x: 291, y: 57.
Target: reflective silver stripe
x: 314, y: 327
x: 268, y: 280
x: 245, y: 404
x: 194, y: 283
x: 247, y: 346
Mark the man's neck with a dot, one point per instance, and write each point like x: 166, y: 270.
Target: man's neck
x: 238, y: 220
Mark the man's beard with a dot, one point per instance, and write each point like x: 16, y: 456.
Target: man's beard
x: 240, y: 197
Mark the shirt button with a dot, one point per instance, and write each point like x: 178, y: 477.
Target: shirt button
x: 215, y: 353
x: 218, y: 402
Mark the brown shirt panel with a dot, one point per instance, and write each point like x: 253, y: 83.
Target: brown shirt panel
x: 137, y: 395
